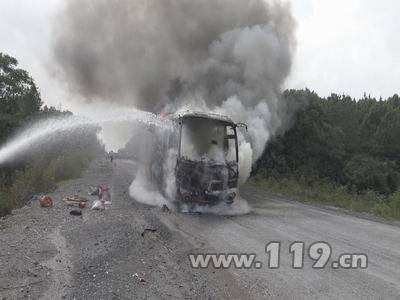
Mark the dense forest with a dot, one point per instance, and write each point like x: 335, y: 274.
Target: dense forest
x: 41, y: 171
x: 350, y: 144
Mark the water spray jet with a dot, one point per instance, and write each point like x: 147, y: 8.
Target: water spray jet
x: 46, y: 130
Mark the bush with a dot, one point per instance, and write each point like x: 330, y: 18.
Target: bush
x: 333, y: 194
x: 43, y: 176
x: 5, y: 204
x: 394, y: 205
x: 366, y: 172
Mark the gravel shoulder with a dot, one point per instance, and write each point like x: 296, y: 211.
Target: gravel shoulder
x: 134, y: 251
x: 122, y: 253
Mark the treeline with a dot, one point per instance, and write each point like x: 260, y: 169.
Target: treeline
x: 338, y: 140
x: 41, y: 171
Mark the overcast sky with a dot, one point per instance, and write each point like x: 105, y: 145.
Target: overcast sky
x: 344, y: 46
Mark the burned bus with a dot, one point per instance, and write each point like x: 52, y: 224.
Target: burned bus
x: 206, y: 159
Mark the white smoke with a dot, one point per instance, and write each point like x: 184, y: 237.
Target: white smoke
x: 143, y: 191
x: 225, y: 56
x: 239, y: 207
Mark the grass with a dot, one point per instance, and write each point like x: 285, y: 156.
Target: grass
x: 331, y: 194
x: 41, y: 177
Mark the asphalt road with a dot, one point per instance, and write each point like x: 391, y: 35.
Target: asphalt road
x: 133, y: 251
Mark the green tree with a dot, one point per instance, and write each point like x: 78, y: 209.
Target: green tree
x: 364, y: 172
x: 387, y: 135
x: 19, y: 96
x: 339, y: 139
x: 315, y: 147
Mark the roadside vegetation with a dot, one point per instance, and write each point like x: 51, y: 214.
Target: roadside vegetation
x: 42, y: 171
x: 330, y: 194
x: 337, y: 150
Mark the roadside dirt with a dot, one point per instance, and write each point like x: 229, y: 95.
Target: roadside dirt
x: 49, y: 254
x: 134, y: 251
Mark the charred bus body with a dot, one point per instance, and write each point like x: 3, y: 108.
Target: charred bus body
x: 207, y: 169
x: 206, y: 166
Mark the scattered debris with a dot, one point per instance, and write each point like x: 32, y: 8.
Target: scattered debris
x: 46, y: 201
x: 101, y: 205
x: 140, y: 279
x: 94, y: 191
x: 97, y: 205
x: 148, y: 230
x: 76, y: 213
x: 105, y: 193
x: 165, y: 208
x: 74, y: 201
x: 105, y: 199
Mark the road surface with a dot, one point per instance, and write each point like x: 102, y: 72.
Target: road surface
x: 133, y: 251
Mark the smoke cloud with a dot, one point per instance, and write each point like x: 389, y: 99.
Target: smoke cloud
x: 163, y: 56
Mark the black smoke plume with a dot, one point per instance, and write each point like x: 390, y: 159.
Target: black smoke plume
x: 230, y: 56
